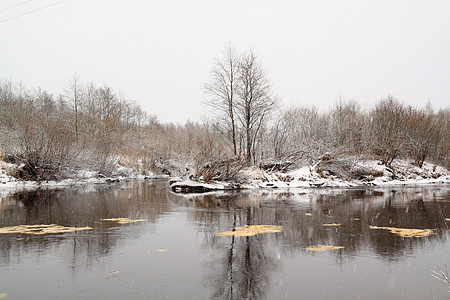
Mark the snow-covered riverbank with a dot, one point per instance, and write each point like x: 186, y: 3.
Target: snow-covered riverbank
x: 75, y: 178
x: 360, y: 173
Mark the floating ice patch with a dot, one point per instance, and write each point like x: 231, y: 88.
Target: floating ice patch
x: 41, y: 229
x: 122, y: 220
x: 162, y: 250
x: 405, y: 232
x: 250, y: 230
x: 321, y: 248
x: 332, y: 225
x: 308, y: 214
x: 114, y: 272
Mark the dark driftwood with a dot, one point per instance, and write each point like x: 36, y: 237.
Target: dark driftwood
x: 182, y: 187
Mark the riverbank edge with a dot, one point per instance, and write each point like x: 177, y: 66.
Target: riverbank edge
x: 77, y: 178
x: 405, y: 174
x: 400, y: 173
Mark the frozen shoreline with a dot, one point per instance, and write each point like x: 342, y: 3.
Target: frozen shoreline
x: 405, y: 174
x: 189, y: 186
x: 78, y: 178
x: 253, y: 178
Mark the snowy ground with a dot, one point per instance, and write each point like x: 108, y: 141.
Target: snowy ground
x: 81, y: 177
x: 403, y: 172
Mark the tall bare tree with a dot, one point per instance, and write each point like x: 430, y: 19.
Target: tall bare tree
x: 255, y: 102
x: 73, y: 92
x: 222, y: 90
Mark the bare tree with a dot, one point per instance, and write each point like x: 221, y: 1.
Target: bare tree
x: 388, y: 121
x: 346, y: 124
x: 73, y: 92
x: 301, y: 133
x: 255, y: 102
x: 424, y: 133
x: 442, y: 153
x: 222, y: 91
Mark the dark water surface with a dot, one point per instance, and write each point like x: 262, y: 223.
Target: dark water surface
x: 123, y: 262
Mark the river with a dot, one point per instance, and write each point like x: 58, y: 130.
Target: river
x: 176, y: 253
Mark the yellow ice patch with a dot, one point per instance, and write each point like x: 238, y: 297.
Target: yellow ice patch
x: 308, y: 214
x: 114, y: 272
x: 405, y: 232
x: 162, y: 250
x: 41, y: 229
x: 332, y: 225
x: 250, y: 230
x: 122, y: 220
x: 3, y: 295
x: 447, y: 219
x: 321, y: 248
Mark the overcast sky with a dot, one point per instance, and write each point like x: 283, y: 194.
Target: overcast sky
x: 159, y: 53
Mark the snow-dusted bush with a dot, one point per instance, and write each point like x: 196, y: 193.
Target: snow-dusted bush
x: 221, y: 170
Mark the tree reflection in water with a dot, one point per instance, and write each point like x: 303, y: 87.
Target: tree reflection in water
x: 232, y: 267
x: 241, y: 267
x: 80, y: 206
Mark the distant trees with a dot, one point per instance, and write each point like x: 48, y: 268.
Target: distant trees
x: 240, y: 92
x: 388, y: 131
x: 300, y: 133
x: 424, y: 133
x: 84, y: 127
x: 92, y: 127
x: 36, y: 132
x: 346, y: 122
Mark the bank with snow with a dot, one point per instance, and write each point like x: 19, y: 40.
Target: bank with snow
x: 325, y: 174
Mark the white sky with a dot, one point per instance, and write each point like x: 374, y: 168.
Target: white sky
x: 158, y: 53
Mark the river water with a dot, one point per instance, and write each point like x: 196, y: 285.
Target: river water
x: 176, y: 252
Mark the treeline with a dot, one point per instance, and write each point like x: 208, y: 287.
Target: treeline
x: 248, y: 115
x: 387, y: 131
x: 91, y: 127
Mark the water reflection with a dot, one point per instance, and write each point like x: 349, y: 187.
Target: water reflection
x: 232, y: 267
x: 79, y: 207
x: 242, y: 266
